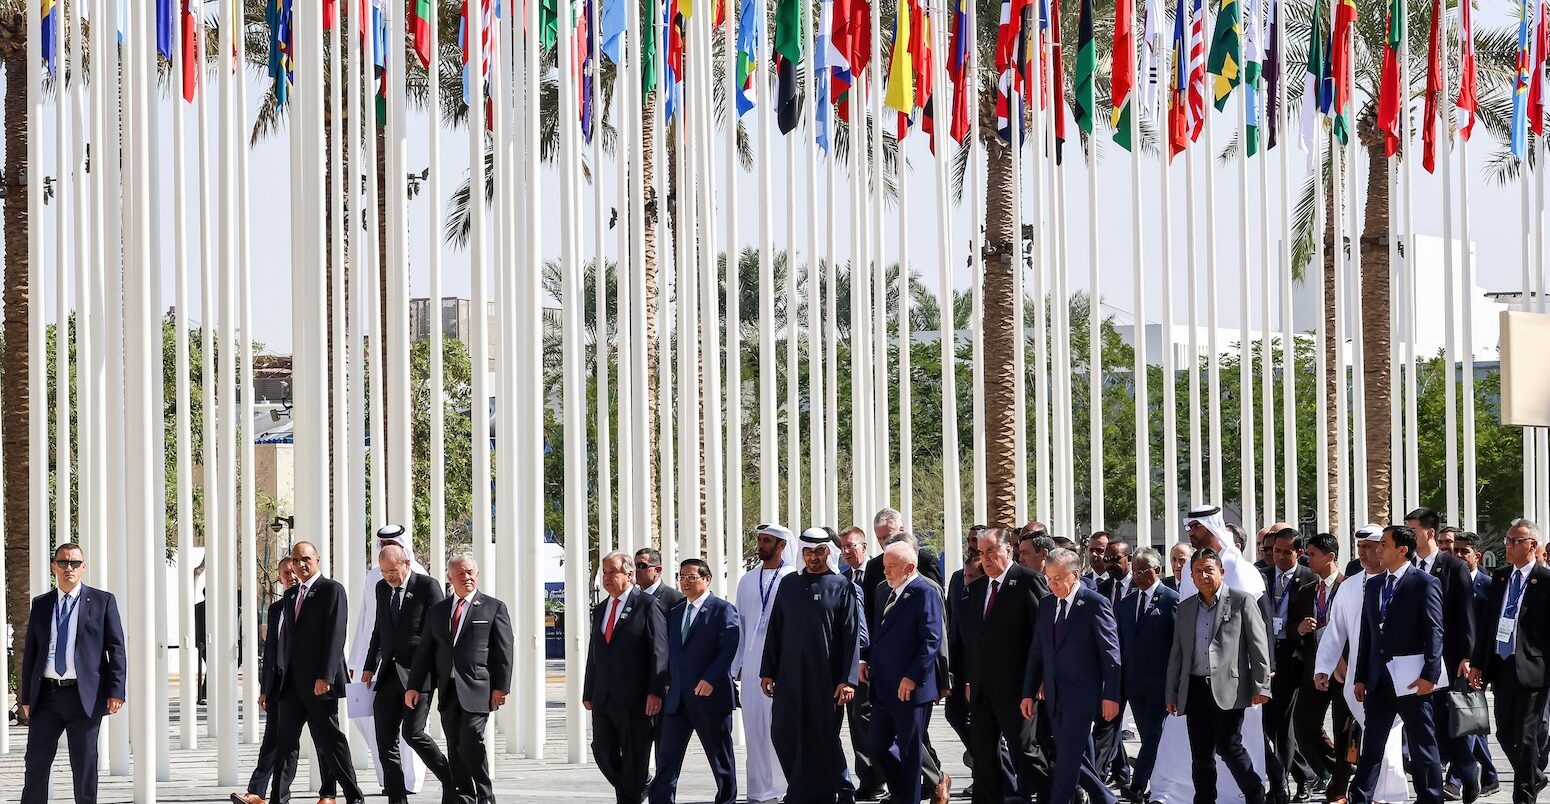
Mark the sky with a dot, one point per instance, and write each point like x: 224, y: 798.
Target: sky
x: 1496, y: 223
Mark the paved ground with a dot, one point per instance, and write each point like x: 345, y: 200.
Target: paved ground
x: 517, y: 780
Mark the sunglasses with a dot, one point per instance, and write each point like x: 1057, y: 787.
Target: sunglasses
x: 641, y: 566
x: 66, y: 563
x: 1112, y: 559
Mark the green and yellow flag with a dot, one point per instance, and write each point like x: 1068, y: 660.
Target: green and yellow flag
x: 1226, y: 48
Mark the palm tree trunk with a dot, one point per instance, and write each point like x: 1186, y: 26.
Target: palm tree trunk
x: 999, y: 307
x: 16, y: 388
x: 1376, y: 338
x: 1332, y: 350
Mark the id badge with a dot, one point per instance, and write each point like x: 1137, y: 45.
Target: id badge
x: 1277, y: 624
x: 1504, y: 629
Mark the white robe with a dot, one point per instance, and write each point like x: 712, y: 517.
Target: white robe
x: 365, y: 623
x: 1339, y: 640
x: 1171, y: 780
x: 766, y: 782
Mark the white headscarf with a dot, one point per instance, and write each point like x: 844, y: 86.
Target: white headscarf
x: 1236, y: 573
x: 818, y: 537
x: 791, y: 552
x: 367, y: 620
x: 393, y: 534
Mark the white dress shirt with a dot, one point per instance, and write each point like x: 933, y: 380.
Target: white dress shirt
x: 695, y: 605
x: 1000, y: 583
x: 468, y: 610
x: 74, y: 600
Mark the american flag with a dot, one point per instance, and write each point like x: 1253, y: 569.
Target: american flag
x: 1195, y: 46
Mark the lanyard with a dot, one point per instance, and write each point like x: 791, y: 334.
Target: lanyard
x: 63, y: 611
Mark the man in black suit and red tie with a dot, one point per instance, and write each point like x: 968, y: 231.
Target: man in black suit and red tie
x: 626, y: 677
x: 1510, y: 656
x: 311, y: 680
x: 465, y: 653
x: 72, y: 674
x: 403, y: 598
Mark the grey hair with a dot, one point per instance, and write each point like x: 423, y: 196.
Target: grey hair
x: 460, y: 558
x: 1528, y: 525
x: 1065, y: 558
x: 394, y: 553
x: 888, y: 515
x: 617, y: 555
x: 1189, y: 549
x: 906, y: 537
x: 1150, y: 555
x: 904, y: 551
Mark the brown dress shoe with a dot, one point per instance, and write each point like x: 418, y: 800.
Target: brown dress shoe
x: 325, y: 800
x: 246, y: 798
x: 943, y: 790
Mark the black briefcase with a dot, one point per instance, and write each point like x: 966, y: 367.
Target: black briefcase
x: 1468, y: 712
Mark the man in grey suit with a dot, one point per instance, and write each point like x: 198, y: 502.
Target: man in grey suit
x: 1219, y: 666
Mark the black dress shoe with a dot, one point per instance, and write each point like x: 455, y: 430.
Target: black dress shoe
x: 1302, y: 796
x: 1490, y: 788
x: 872, y: 794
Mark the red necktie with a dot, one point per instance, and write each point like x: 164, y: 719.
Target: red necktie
x: 990, y: 602
x: 608, y: 627
x: 457, y: 616
x: 301, y: 594
x: 1323, y: 602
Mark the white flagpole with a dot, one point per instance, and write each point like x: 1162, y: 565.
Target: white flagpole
x: 906, y: 275
x: 1019, y: 327
x: 1288, y: 337
x: 860, y: 463
x: 1320, y: 361
x: 1094, y: 347
x: 831, y: 333
x: 600, y: 346
x: 529, y: 406
x: 577, y: 576
x: 793, y: 473
x: 1245, y: 302
x: 1471, y: 489
x: 731, y: 270
x: 209, y: 201
x: 433, y: 222
x: 819, y: 476
x: 246, y: 504
x: 1066, y: 505
x: 686, y: 282
x: 400, y: 479
x: 1043, y: 493
x: 479, y: 278
x: 1358, y: 452
x: 1142, y: 421
x: 501, y: 137
x: 665, y: 413
x: 877, y: 298
x: 1530, y: 461
x: 1267, y: 422
x: 37, y: 412
x: 222, y: 587
x: 1170, y: 441
x: 1192, y: 313
x: 710, y: 307
x: 371, y: 291
x: 1340, y: 508
x: 349, y: 570
x: 1411, y: 439
x: 640, y: 427
x: 769, y: 471
x: 974, y: 193
x: 952, y: 506
x: 1213, y: 350
x: 64, y: 198
x: 187, y: 658
x: 1450, y: 507
x: 627, y: 123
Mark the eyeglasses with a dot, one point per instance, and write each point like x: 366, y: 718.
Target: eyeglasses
x: 1143, y: 570
x: 692, y: 576
x: 1113, y: 559
x: 642, y: 566
x: 1518, y: 539
x: 66, y: 563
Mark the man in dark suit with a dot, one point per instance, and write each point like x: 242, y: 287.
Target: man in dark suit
x: 702, y: 637
x: 1178, y: 564
x: 1466, y: 545
x: 648, y: 576
x: 625, y: 678
x: 1402, y: 616
x: 1145, y: 622
x: 1218, y: 667
x: 1308, y: 617
x: 1511, y: 657
x: 989, y: 659
x: 956, y: 709
x: 268, y: 757
x: 1284, y: 577
x: 1074, y: 674
x: 1114, y: 583
x: 465, y: 653
x: 1097, y: 545
x: 1458, y: 632
x: 869, y: 778
x: 311, y: 678
x: 403, y: 598
x: 72, y: 674
x: 904, y: 645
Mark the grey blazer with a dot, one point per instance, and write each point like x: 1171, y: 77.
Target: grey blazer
x: 1240, y: 651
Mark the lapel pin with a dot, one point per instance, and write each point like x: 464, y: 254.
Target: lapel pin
x: 815, y: 597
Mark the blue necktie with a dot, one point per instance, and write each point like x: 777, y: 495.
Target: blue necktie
x: 1505, y: 648
x: 1388, y: 594
x: 62, y: 638
x: 394, y: 603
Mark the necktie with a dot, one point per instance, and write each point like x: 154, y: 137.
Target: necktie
x: 990, y: 601
x: 457, y: 616
x: 893, y: 597
x: 1323, y: 603
x: 688, y: 618
x: 1060, y: 620
x: 608, y: 627
x: 301, y: 594
x: 62, y: 614
x: 1141, y: 605
x: 1388, y: 594
x: 860, y: 577
x: 1510, y: 612
x: 393, y: 604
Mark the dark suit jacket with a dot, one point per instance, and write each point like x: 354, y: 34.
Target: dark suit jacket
x: 396, y: 642
x: 1145, y: 639
x: 1081, y: 667
x: 1458, y: 609
x: 1292, y: 641
x: 928, y: 567
x: 622, y: 672
x: 906, y: 642
x: 269, y: 674
x: 705, y: 656
x: 992, y: 654
x: 314, y: 645
x: 472, y: 666
x: 667, y: 597
x: 1532, y: 637
x: 1171, y: 582
x: 1305, y: 605
x: 99, y: 659
x: 1413, y: 626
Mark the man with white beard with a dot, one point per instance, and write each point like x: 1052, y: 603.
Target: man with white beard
x: 365, y: 622
x: 755, y: 601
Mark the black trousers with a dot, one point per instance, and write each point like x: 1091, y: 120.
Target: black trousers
x: 1518, y: 726
x: 391, y: 719
x: 269, y: 760
x: 1282, y: 757
x: 1150, y: 714
x: 467, y: 757
x: 298, y: 709
x: 1330, y: 759
x: 1217, y: 732
x: 58, y: 711
x: 621, y: 745
x: 869, y: 778
x: 1382, y: 707
x: 993, y: 721
x: 1108, y: 740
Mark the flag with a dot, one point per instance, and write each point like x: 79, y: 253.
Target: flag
x: 1197, y: 69
x: 379, y: 56
x: 958, y: 71
x: 163, y: 27
x: 484, y: 44
x: 673, y: 64
x: 586, y: 74
x: 1391, y: 92
x: 1342, y: 69
x: 1518, y: 142
x: 1151, y: 52
x: 851, y: 47
x: 1226, y: 50
x: 1253, y: 58
x: 1084, y: 103
x: 49, y: 33
x: 610, y: 30
x: 788, y: 56
x: 548, y: 22
x: 921, y: 55
x: 1469, y: 91
x: 282, y: 68
x: 1012, y: 65
x: 1123, y: 71
x: 750, y: 32
x: 1272, y: 74
x: 900, y: 94
x: 821, y: 69
x: 1433, y: 89
x: 1312, y: 79
x: 1049, y: 31
x: 1536, y: 85
x: 188, y: 44
x: 1178, y: 83
x: 420, y: 12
